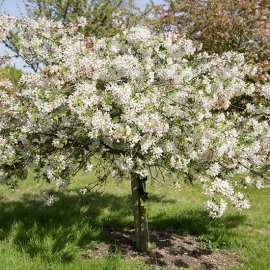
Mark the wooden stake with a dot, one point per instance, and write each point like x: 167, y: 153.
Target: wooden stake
x: 140, y: 216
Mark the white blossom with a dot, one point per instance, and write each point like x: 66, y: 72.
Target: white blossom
x: 216, y: 210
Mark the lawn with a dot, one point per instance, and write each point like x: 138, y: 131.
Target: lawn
x: 34, y: 236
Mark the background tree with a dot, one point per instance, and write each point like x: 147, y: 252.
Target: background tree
x: 11, y: 73
x: 242, y: 26
x: 101, y: 15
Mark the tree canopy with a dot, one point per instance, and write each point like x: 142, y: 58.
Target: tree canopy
x: 137, y: 102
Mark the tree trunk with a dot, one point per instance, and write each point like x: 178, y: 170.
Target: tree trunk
x: 140, y: 217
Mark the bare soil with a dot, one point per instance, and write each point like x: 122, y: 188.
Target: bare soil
x: 169, y: 250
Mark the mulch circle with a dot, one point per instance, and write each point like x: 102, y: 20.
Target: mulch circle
x: 169, y: 250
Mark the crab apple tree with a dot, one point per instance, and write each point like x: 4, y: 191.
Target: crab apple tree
x: 131, y: 104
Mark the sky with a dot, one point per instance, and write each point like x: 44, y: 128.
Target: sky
x: 16, y: 8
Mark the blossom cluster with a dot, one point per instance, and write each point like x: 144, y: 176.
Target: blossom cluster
x: 131, y: 103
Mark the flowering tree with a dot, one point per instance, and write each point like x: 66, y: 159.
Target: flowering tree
x: 134, y: 104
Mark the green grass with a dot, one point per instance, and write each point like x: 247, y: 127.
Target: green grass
x: 34, y: 236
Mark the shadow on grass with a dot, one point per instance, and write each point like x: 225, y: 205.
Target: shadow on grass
x: 76, y: 222
x: 212, y: 233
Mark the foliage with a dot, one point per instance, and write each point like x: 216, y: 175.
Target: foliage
x: 221, y: 26
x: 11, y: 73
x: 137, y: 102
